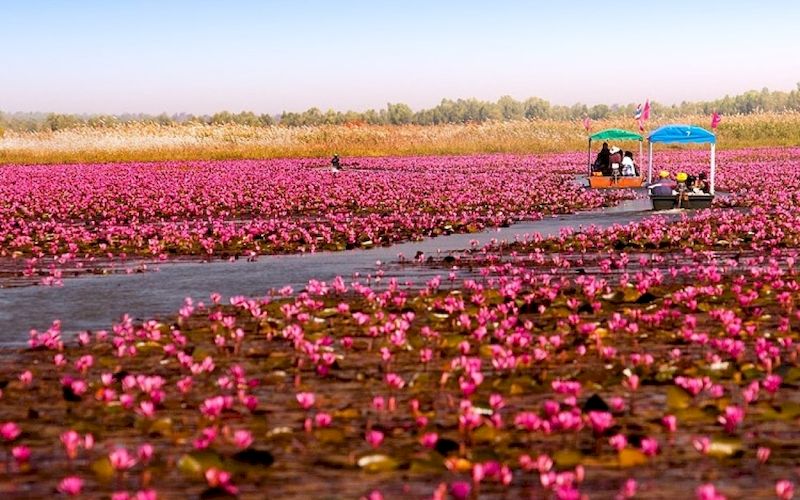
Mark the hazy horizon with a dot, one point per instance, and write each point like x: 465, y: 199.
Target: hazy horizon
x: 268, y: 57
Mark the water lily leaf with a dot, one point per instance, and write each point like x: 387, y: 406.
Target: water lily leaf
x: 279, y: 432
x: 630, y: 457
x: 254, y: 456
x: 427, y: 465
x: 161, y: 426
x: 696, y: 415
x: 378, y: 463
x: 194, y: 464
x: 666, y: 373
x: 485, y: 434
x: 329, y: 435
x: 445, y: 446
x: 346, y: 414
x: 631, y: 295
x: 334, y: 462
x: 677, y: 398
x: 595, y: 403
x: 724, y: 446
x: 103, y: 470
x: 216, y: 492
x: 792, y: 375
x: 785, y: 411
x: 328, y: 312
x: 567, y: 459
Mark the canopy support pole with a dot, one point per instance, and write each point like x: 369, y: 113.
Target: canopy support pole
x: 639, y: 160
x: 713, y: 167
x: 650, y: 165
x: 589, y: 159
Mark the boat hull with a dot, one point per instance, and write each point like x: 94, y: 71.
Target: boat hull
x: 689, y: 202
x: 607, y: 182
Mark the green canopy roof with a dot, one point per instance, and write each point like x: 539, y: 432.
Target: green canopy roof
x: 615, y: 134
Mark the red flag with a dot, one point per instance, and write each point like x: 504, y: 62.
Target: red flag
x: 587, y: 123
x: 646, y: 110
x: 715, y: 119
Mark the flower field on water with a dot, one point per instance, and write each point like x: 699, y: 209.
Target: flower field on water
x: 653, y: 360
x: 82, y: 217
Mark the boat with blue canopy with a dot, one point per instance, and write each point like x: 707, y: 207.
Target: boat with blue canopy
x: 682, y: 197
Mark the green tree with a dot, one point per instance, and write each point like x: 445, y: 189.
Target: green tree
x: 399, y: 114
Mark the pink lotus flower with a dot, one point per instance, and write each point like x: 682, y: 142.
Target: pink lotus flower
x: 628, y: 489
x: 9, y: 431
x: 600, y: 421
x: 145, y: 453
x: 708, y: 492
x: 784, y: 489
x: 763, y: 454
x: 670, y: 422
x: 460, y: 490
x: 217, y: 477
x: 650, y: 446
x: 731, y: 419
x: 618, y: 441
x: 71, y: 486
x: 772, y: 383
x: 26, y: 378
x: 702, y: 444
x: 323, y: 419
x: 374, y: 438
x: 121, y: 460
x: 429, y: 440
x: 242, y: 438
x: 21, y: 454
x: 306, y: 399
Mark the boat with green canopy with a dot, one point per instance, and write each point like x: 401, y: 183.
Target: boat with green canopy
x: 610, y: 175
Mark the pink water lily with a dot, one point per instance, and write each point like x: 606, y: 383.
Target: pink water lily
x: 121, y: 459
x: 71, y: 486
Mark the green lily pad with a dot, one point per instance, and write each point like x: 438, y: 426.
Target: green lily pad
x: 329, y: 435
x: 195, y: 464
x: 677, y: 398
x: 485, y: 434
x: 161, y: 426
x: 724, y: 446
x: 378, y: 463
x: 567, y: 458
x: 630, y: 457
x: 427, y: 465
x: 103, y: 470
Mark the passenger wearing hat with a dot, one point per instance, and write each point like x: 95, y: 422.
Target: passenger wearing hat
x: 616, y: 155
x: 663, y: 187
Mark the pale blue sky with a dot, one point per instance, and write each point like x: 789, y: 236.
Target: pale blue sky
x: 197, y: 56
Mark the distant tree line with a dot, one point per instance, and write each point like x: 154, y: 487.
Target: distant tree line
x: 448, y: 111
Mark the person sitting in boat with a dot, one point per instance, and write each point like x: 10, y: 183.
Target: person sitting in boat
x: 601, y: 162
x: 663, y: 187
x: 628, y: 165
x: 615, y: 160
x: 701, y: 184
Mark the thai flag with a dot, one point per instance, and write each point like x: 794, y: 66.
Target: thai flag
x: 638, y: 113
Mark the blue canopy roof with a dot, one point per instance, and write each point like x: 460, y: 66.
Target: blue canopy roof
x: 682, y: 134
